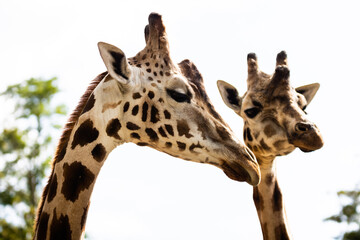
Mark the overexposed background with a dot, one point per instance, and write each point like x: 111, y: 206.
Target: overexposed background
x: 145, y: 194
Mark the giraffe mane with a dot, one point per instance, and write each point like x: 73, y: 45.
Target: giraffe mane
x: 64, y: 139
x: 75, y: 115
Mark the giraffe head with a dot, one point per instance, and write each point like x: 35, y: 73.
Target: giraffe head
x: 275, y: 121
x: 163, y: 105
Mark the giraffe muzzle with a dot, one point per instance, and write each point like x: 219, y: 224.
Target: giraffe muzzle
x: 307, y: 137
x: 245, y: 169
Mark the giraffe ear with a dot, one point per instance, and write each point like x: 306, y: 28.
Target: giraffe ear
x: 115, y: 62
x: 229, y: 95
x: 308, y: 91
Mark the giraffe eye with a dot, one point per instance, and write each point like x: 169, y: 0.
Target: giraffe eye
x: 177, y: 96
x: 252, y: 112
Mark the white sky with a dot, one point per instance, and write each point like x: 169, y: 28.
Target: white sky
x: 144, y: 194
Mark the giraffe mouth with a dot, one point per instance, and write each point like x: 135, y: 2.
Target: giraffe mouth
x: 308, y: 143
x: 236, y: 172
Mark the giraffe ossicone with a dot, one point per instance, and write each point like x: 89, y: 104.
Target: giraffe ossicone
x: 275, y: 123
x: 147, y: 100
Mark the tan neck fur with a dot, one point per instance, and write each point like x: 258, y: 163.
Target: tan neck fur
x: 270, y: 207
x: 63, y: 210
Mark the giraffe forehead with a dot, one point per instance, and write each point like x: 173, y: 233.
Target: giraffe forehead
x: 263, y: 82
x: 150, y: 60
x: 281, y: 96
x: 157, y: 73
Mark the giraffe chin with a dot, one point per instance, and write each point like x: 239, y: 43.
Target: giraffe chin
x: 306, y: 150
x: 236, y: 172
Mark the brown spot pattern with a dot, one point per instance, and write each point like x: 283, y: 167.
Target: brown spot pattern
x: 183, y: 128
x: 181, y: 145
x: 167, y: 114
x: 152, y: 134
x: 77, y: 178
x: 169, y: 129
x: 61, y: 151
x: 223, y: 133
x: 269, y: 179
x: 99, y: 152
x: 132, y: 126
x: 281, y: 232
x: 162, y: 132
x: 113, y: 128
x: 60, y: 228
x: 85, y: 134
x: 279, y: 144
x: 248, y: 134
x: 154, y: 115
x: 265, y: 231
x: 258, y: 200
x: 64, y: 139
x: 269, y: 131
x: 43, y: 226
x: 193, y: 146
x: 135, y: 135
x: 89, y: 104
x: 135, y: 110
x: 52, y: 188
x: 126, y: 107
x: 144, y: 111
x: 151, y: 94
x: 136, y: 95
x: 84, y: 216
x: 142, y: 144
x: 264, y: 145
x: 110, y: 106
x: 277, y: 198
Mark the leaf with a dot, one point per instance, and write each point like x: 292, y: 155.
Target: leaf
x: 335, y: 218
x: 24, y: 164
x: 11, y: 140
x: 60, y: 109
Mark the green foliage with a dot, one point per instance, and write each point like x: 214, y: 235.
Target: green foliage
x: 349, y: 213
x: 24, y: 142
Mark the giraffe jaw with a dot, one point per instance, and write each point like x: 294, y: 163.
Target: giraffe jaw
x: 236, y: 172
x: 306, y: 150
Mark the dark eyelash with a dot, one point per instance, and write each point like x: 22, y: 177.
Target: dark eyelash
x: 179, y: 97
x: 304, y: 107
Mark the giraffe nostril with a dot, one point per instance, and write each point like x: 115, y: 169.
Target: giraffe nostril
x: 303, y: 127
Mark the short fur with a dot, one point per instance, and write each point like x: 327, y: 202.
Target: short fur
x: 64, y: 139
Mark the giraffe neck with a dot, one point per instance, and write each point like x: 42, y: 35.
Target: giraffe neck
x: 270, y: 206
x: 63, y: 210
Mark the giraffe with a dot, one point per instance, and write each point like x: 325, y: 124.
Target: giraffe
x: 275, y: 123
x: 147, y: 100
